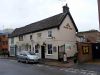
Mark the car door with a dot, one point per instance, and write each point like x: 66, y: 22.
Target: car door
x: 22, y: 57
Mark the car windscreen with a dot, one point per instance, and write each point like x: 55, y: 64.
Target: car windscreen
x: 31, y: 53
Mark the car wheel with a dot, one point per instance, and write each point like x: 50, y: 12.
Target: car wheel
x: 18, y: 60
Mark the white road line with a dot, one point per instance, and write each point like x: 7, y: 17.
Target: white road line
x: 39, y: 65
x: 80, y: 71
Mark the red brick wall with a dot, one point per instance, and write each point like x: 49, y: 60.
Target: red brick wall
x: 3, y: 42
x: 83, y: 57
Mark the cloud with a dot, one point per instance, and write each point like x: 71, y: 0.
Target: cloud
x: 18, y: 13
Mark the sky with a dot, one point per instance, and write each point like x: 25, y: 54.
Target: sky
x: 18, y: 13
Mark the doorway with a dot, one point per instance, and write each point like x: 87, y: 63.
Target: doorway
x: 43, y: 52
x: 96, y: 50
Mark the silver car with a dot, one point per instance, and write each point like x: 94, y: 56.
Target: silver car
x: 27, y: 57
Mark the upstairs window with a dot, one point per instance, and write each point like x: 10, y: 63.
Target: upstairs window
x: 12, y: 40
x: 49, y: 33
x: 30, y: 37
x: 21, y: 38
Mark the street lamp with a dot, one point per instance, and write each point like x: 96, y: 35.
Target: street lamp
x: 32, y: 42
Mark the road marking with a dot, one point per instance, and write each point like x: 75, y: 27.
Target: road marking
x: 80, y: 71
x: 73, y: 70
x: 39, y: 65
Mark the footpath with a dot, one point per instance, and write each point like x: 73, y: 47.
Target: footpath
x: 57, y: 63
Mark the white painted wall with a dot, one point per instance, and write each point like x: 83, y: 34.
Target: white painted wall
x: 61, y: 37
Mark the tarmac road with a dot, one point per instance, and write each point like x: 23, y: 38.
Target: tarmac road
x: 12, y: 67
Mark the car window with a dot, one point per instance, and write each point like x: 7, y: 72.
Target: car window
x: 31, y: 53
x: 24, y: 54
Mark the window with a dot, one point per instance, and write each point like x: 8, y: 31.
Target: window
x: 36, y: 49
x: 30, y: 37
x: 20, y: 38
x: 85, y: 49
x: 49, y: 48
x: 49, y: 33
x: 12, y: 40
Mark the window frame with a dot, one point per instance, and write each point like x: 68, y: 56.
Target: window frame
x: 49, y: 33
x: 50, y: 50
x: 21, y: 38
x: 12, y: 40
x: 36, y: 49
x: 31, y: 37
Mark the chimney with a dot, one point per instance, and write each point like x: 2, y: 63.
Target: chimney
x: 65, y: 9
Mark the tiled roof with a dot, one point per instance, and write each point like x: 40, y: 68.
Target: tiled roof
x: 51, y: 22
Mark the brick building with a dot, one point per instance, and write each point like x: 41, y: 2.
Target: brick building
x: 88, y: 45
x: 92, y: 36
x: 3, y: 43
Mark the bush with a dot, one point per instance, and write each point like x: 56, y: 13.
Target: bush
x: 4, y: 53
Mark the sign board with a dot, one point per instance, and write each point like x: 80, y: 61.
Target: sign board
x: 70, y: 49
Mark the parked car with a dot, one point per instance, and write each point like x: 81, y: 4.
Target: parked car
x: 27, y: 57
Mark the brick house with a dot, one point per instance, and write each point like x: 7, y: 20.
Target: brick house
x: 3, y: 42
x: 88, y: 45
x: 92, y: 36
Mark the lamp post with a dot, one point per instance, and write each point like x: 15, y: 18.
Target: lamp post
x: 32, y: 42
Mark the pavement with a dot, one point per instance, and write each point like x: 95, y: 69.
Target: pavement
x: 57, y: 63
x: 94, y: 62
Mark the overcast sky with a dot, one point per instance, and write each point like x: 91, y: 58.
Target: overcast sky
x: 18, y: 13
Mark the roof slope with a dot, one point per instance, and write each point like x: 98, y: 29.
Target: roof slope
x: 51, y: 22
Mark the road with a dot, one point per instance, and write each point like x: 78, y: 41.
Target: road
x: 12, y: 67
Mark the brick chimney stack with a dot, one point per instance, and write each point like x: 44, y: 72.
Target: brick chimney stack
x: 65, y: 9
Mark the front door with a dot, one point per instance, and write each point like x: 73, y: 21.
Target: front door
x: 96, y: 50
x: 42, y: 52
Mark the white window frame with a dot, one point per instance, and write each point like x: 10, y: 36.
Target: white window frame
x: 50, y: 49
x: 21, y: 38
x: 49, y: 33
x: 12, y: 40
x: 31, y: 37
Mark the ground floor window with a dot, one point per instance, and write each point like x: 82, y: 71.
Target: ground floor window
x: 12, y: 50
x: 49, y: 48
x: 36, y: 49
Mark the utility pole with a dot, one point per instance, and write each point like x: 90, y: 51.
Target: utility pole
x: 99, y: 12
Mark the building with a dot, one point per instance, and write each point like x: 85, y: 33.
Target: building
x: 3, y: 43
x: 92, y: 36
x: 48, y: 38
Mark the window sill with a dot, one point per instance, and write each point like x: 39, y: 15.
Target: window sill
x: 49, y: 37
